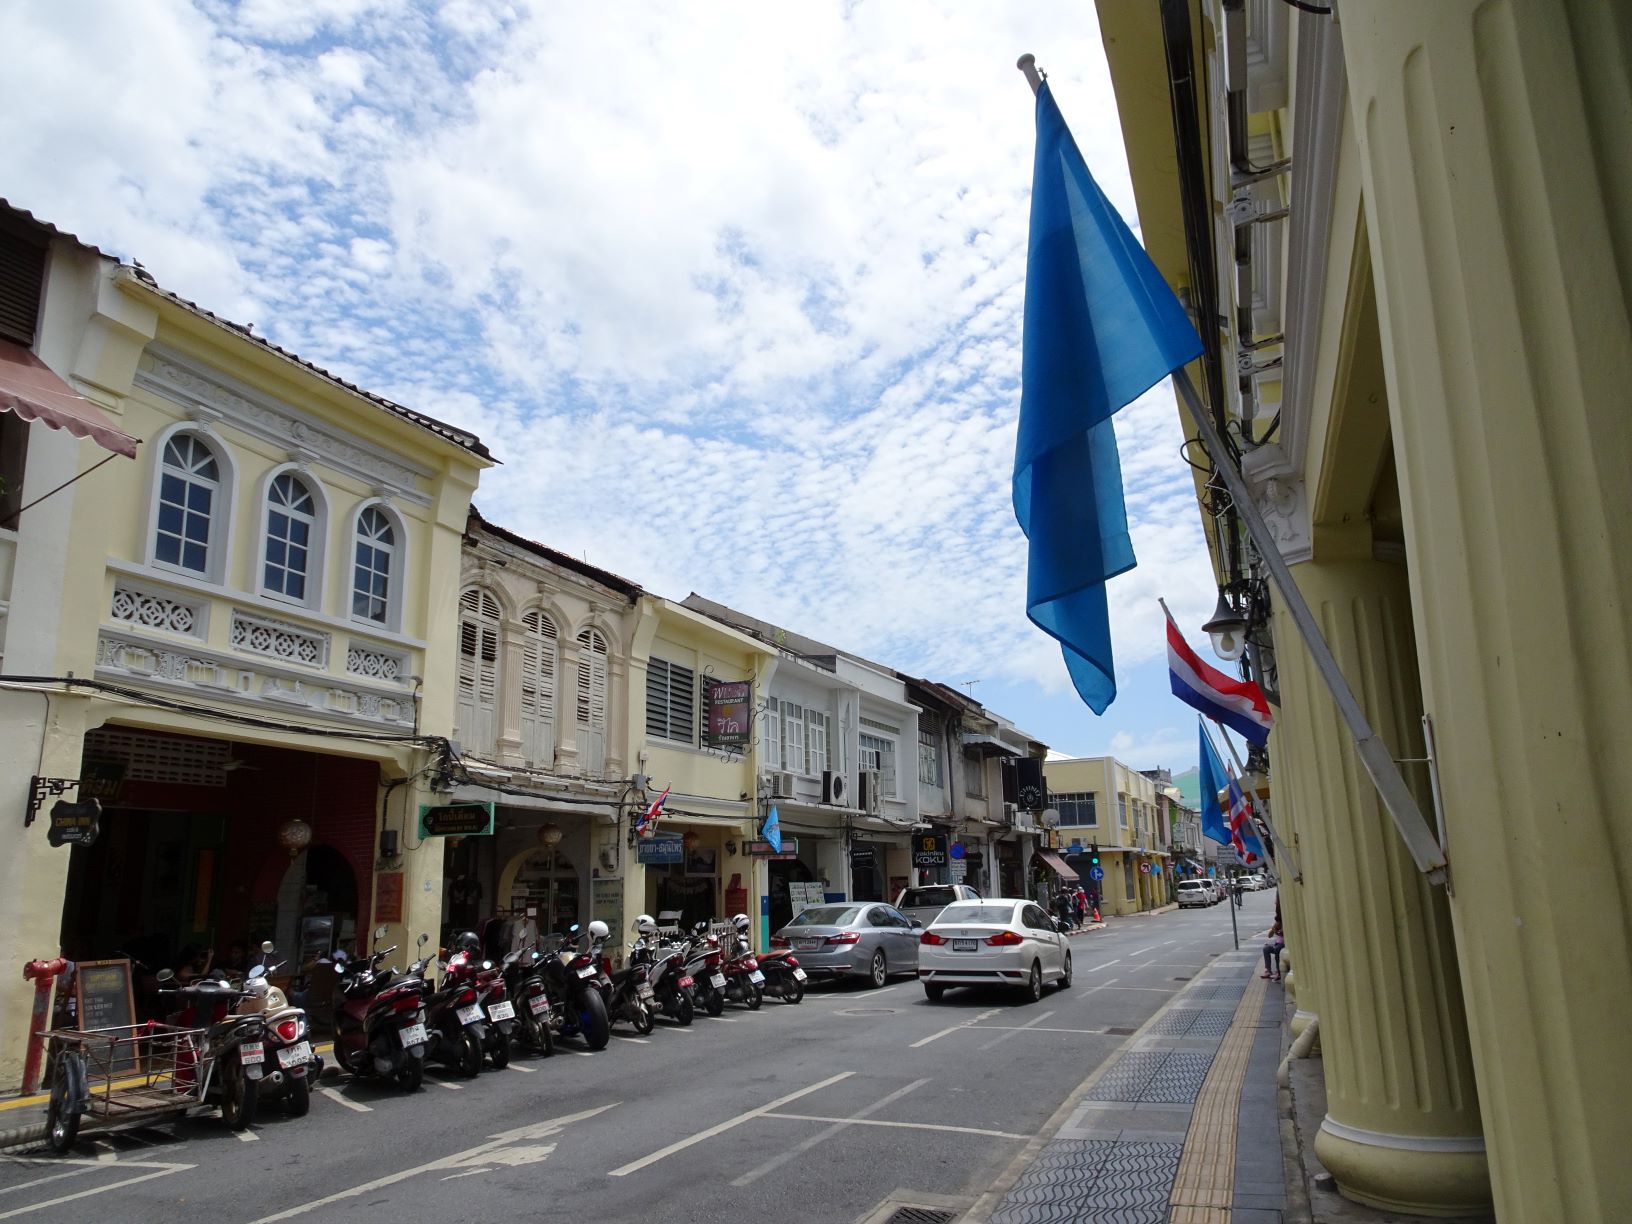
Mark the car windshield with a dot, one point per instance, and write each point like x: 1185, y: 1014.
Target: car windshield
x: 827, y: 915
x: 973, y: 912
x: 940, y: 895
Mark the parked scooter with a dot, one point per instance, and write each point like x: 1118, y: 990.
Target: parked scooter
x: 632, y: 996
x: 290, y: 1066
x: 572, y: 972
x: 665, y: 963
x: 453, y: 1013
x: 230, y: 1051
x: 784, y: 979
x: 744, y: 982
x: 704, y: 965
x: 494, y: 1001
x: 379, y: 1018
x: 524, y: 983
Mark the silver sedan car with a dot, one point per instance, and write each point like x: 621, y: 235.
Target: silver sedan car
x: 1002, y: 942
x: 862, y: 939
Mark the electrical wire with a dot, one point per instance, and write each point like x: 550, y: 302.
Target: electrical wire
x: 1303, y: 6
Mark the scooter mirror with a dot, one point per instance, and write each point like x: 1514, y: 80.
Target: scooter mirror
x: 268, y: 947
x: 379, y: 933
x: 257, y: 971
x: 166, y: 975
x: 423, y: 939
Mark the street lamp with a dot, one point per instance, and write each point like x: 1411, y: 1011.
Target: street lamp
x: 1228, y: 630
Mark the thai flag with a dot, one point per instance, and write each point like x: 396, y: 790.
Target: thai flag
x: 1237, y: 704
x: 646, y: 822
x: 1241, y: 823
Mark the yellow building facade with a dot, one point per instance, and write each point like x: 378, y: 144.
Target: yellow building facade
x: 249, y: 662
x: 1414, y: 223
x: 1102, y: 801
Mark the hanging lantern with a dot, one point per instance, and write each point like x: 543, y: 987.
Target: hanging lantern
x: 294, y: 836
x: 689, y: 840
x: 549, y: 836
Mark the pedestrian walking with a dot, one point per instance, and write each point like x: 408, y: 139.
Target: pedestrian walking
x: 1081, y: 899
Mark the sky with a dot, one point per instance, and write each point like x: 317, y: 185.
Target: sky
x: 733, y: 290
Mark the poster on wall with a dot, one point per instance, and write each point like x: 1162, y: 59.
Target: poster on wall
x: 388, y: 897
x: 730, y: 713
x: 606, y: 901
x: 804, y: 893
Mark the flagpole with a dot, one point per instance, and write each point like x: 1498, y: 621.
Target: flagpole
x: 1291, y: 861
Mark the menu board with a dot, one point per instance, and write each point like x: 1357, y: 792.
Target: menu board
x: 103, y: 1000
x: 805, y: 894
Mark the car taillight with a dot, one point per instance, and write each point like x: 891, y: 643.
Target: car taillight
x: 466, y: 998
x: 288, y: 1029
x: 929, y: 937
x: 779, y: 941
x: 1004, y: 939
x: 843, y: 937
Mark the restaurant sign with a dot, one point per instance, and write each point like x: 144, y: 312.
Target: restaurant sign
x: 730, y: 714
x: 456, y: 820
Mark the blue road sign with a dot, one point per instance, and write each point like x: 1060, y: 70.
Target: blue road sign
x: 957, y: 851
x: 1096, y: 873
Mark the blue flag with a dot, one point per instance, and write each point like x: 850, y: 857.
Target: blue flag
x: 1214, y: 823
x: 772, y: 832
x: 1101, y: 328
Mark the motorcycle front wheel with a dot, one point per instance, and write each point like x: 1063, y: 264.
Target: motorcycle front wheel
x: 63, y: 1114
x: 593, y: 1022
x: 714, y: 1001
x: 239, y: 1094
x: 411, y: 1074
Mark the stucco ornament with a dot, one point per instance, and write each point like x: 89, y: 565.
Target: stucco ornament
x: 1285, y: 507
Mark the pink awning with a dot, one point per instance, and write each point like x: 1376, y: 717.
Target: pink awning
x: 33, y: 392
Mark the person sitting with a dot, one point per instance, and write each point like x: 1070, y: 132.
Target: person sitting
x: 1272, y: 948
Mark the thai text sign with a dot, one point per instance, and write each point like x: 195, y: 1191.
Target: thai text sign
x: 730, y: 713
x: 661, y: 848
x: 456, y: 820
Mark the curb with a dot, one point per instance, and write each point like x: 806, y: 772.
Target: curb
x: 18, y: 1136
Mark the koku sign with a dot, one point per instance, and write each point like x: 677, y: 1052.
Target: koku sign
x: 730, y: 714
x: 456, y: 820
x: 929, y: 850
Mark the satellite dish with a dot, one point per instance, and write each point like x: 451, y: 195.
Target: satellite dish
x: 1051, y: 818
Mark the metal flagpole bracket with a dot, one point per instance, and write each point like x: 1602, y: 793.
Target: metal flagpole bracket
x: 1368, y: 745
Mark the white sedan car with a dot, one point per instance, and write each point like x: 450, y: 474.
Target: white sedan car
x: 999, y: 942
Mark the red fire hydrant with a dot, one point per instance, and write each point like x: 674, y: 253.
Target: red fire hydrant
x: 42, y: 973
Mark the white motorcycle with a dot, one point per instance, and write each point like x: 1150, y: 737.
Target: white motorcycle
x: 288, y: 1067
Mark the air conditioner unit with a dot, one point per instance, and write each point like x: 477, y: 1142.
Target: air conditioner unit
x: 870, y: 792
x: 781, y: 785
x: 835, y: 788
x: 1010, y: 811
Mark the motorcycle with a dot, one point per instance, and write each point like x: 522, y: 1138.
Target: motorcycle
x: 572, y: 972
x: 229, y: 1051
x: 666, y: 972
x: 379, y: 1018
x: 632, y: 997
x: 290, y: 1064
x: 704, y: 962
x: 784, y: 979
x: 744, y: 980
x: 455, y: 1020
x: 493, y: 998
x: 524, y: 983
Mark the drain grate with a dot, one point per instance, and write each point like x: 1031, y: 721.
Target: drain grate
x: 921, y: 1215
x: 1181, y: 979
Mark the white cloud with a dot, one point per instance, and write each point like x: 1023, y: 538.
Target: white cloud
x: 734, y: 290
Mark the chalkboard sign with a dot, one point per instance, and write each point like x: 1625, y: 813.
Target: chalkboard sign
x: 102, y: 1000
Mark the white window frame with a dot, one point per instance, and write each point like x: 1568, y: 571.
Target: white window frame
x: 773, y: 735
x: 218, y: 545
x: 929, y: 753
x: 793, y: 737
x: 317, y: 536
x: 397, y: 574
x: 594, y: 670
x: 816, y: 741
x: 881, y: 755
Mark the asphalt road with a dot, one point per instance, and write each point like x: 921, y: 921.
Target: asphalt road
x: 815, y: 1112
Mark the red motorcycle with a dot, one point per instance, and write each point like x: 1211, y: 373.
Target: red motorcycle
x: 744, y: 980
x: 492, y: 997
x: 784, y: 979
x: 379, y: 1018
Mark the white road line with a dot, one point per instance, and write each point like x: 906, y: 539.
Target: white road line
x: 637, y: 1165
x: 997, y: 1041
x: 519, y: 1067
x: 246, y: 1136
x: 88, y: 1166
x: 459, y: 1160
x: 805, y: 1145
x: 1106, y: 965
x: 441, y: 1083
x: 985, y: 1015
x: 1037, y: 1028
x: 162, y: 1170
x: 929, y: 1126
x: 1139, y: 951
x: 570, y: 1050
x: 335, y: 1095
x: 635, y: 1040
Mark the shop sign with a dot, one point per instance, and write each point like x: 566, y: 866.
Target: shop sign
x: 803, y: 894
x: 661, y: 848
x: 606, y: 901
x: 388, y: 897
x: 101, y: 780
x: 74, y: 824
x: 730, y: 714
x: 456, y: 820
x: 929, y: 850
x: 863, y: 856
x: 764, y: 849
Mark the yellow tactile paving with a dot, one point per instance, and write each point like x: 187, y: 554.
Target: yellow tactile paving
x: 1205, y: 1183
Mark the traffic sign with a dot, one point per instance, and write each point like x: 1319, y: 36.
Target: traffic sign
x: 1096, y: 873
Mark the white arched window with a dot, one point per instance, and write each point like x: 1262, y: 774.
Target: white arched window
x: 539, y: 656
x: 291, y: 522
x: 376, y: 550
x: 189, y: 497
x: 478, y: 717
x: 592, y: 671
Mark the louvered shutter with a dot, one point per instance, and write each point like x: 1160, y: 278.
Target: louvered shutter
x: 592, y: 672
x: 478, y: 671
x: 793, y: 732
x: 538, y: 671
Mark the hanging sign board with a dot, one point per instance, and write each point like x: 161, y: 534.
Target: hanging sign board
x: 388, y: 897
x: 74, y: 824
x: 764, y: 849
x: 730, y: 713
x: 929, y: 850
x: 456, y: 820
x: 661, y: 848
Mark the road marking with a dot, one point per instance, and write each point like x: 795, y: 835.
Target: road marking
x: 996, y: 1041
x: 929, y: 1126
x: 1139, y: 951
x: 459, y: 1160
x: 1106, y: 965
x: 838, y: 1125
x: 985, y: 1015
x: 335, y: 1095
x: 162, y: 1170
x: 468, y: 1173
x: 635, y: 1040
x: 637, y: 1165
x: 725, y: 1019
x: 1037, y: 1028
x: 442, y: 1083
x: 524, y: 1070
x: 88, y: 1166
x: 246, y: 1136
x: 571, y: 1050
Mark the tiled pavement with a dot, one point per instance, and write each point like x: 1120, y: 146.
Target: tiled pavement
x: 1182, y: 1128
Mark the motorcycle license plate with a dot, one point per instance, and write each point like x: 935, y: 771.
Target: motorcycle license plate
x: 686, y: 983
x: 501, y: 1011
x: 588, y: 971
x: 297, y: 1055
x: 718, y: 981
x: 798, y: 975
x: 251, y: 1053
x: 539, y: 1004
x: 469, y: 1015
x: 412, y: 1035
x: 646, y: 992
x: 756, y: 977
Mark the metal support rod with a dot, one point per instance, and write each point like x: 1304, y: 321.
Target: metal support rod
x: 1374, y: 755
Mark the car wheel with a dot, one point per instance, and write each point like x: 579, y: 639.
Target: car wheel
x: 1034, y: 983
x: 880, y: 972
x: 933, y: 991
x: 1065, y: 974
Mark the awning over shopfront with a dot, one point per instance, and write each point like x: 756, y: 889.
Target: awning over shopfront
x: 990, y: 745
x: 33, y: 392
x: 1058, y: 865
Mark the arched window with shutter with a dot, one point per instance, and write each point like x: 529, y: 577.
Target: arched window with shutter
x: 478, y: 714
x: 539, y: 656
x: 592, y: 681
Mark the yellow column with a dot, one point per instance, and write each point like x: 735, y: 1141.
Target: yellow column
x: 1291, y: 796
x: 1499, y: 200
x: 1402, y: 1125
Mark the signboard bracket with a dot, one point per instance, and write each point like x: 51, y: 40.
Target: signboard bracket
x: 40, y: 789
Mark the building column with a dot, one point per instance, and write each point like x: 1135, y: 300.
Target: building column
x: 1291, y: 796
x: 1402, y: 1126
x: 1499, y: 205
